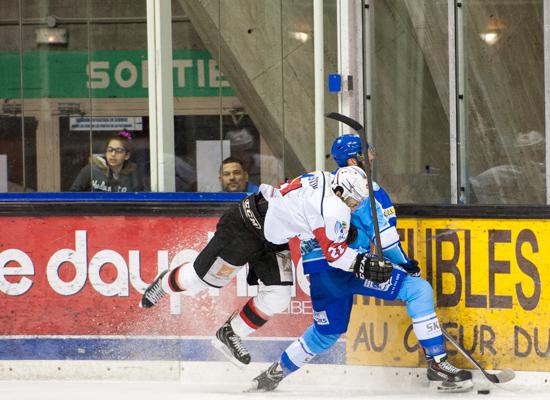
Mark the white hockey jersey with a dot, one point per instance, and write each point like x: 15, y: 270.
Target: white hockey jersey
x: 307, y: 208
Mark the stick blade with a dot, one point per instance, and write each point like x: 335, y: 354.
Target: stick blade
x: 345, y: 120
x: 505, y: 375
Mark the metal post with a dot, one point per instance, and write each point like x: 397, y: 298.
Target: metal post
x: 350, y: 34
x: 161, y: 95
x: 546, y: 11
x: 462, y: 128
x: 453, y: 162
x: 457, y: 106
x: 319, y: 76
x: 368, y: 67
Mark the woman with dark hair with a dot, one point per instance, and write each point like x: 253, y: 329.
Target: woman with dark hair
x: 112, y: 172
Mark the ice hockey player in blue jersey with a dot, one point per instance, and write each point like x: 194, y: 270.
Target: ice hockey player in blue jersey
x: 347, y: 150
x: 332, y: 293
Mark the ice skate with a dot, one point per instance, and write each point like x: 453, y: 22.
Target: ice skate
x: 154, y: 292
x: 268, y: 380
x: 447, y: 377
x: 230, y: 344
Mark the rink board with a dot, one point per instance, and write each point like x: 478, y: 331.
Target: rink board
x: 490, y: 279
x: 69, y: 289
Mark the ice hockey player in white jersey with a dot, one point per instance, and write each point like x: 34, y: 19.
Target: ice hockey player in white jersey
x: 257, y: 232
x: 311, y: 207
x: 332, y: 297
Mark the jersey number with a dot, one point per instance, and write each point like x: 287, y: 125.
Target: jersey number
x: 336, y: 251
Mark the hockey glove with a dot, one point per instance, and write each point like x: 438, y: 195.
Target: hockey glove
x: 371, y: 267
x: 412, y: 267
x: 352, y: 234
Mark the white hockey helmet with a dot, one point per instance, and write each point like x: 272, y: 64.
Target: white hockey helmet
x: 353, y: 181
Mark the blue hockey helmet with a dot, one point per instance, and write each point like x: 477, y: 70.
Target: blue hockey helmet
x: 345, y: 147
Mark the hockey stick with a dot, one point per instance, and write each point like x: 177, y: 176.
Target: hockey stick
x: 361, y: 131
x: 500, y: 377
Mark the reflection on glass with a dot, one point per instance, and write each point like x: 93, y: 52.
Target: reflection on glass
x: 212, y: 123
x: 17, y: 126
x: 75, y: 78
x: 411, y: 116
x: 505, y: 102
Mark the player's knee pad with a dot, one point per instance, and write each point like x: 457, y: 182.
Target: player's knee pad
x: 189, y: 281
x: 273, y: 299
x: 302, y: 350
x: 318, y: 342
x: 420, y: 299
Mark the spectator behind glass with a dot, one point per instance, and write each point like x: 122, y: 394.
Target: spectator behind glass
x: 234, y: 178
x: 112, y: 172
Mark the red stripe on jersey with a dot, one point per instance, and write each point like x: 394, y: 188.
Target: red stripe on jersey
x: 296, y: 183
x: 295, y: 252
x: 332, y: 250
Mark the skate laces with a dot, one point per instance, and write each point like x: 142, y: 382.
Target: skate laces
x: 155, y: 292
x: 237, y: 344
x: 448, y: 367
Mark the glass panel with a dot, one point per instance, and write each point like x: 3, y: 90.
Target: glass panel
x: 298, y: 87
x: 505, y: 143
x: 50, y: 72
x: 83, y: 83
x: 410, y: 100
x: 112, y: 111
x: 199, y: 92
x: 231, y: 104
x: 14, y: 156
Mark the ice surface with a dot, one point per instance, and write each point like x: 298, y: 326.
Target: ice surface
x: 149, y: 380
x: 143, y: 390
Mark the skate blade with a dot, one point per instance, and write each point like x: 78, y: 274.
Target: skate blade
x: 252, y: 388
x: 452, y: 387
x: 222, y: 348
x: 142, y: 306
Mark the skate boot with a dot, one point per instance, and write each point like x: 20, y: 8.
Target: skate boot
x: 154, y: 292
x: 269, y: 379
x: 447, y: 376
x: 230, y: 344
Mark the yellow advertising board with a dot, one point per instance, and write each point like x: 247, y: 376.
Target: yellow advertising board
x: 491, y: 281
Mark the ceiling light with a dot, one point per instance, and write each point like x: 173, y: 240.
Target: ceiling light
x: 490, y: 37
x: 299, y: 36
x: 51, y: 36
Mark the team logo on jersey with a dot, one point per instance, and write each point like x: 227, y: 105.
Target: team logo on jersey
x: 383, y: 287
x: 313, y: 181
x: 250, y: 214
x: 340, y: 229
x: 225, y: 271
x: 321, y: 317
x: 389, y: 212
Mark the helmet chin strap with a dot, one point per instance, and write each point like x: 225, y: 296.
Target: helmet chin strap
x: 338, y: 191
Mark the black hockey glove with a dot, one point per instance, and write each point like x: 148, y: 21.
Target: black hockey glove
x: 352, y: 234
x: 371, y: 267
x: 412, y: 267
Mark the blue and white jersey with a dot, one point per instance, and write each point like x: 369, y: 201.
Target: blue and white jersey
x: 361, y: 218
x: 385, y: 202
